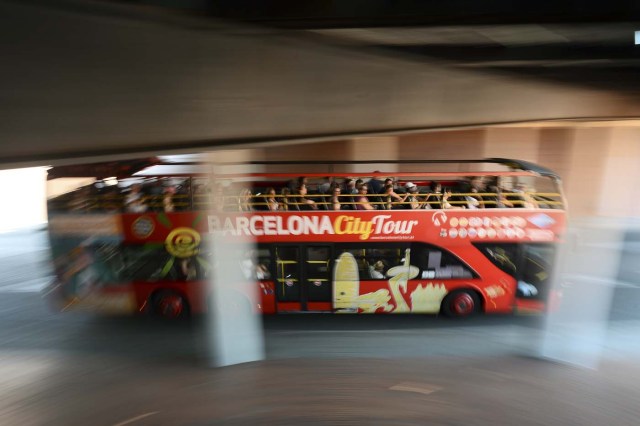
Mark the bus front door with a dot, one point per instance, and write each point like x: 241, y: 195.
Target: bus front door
x: 303, y: 278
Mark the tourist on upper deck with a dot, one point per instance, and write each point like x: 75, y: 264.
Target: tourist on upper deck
x: 335, y: 203
x: 349, y: 186
x: 285, y: 200
x: 167, y: 199
x: 497, y: 199
x: 411, y: 199
x: 376, y: 186
x: 361, y: 200
x: 244, y: 200
x: 446, y: 196
x: 473, y: 190
x: 326, y: 185
x: 524, y: 197
x: 272, y: 204
x: 391, y: 198
x: 134, y: 201
x: 302, y: 201
x: 433, y: 200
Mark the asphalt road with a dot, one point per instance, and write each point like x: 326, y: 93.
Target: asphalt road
x: 82, y: 369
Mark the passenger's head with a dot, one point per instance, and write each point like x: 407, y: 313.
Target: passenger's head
x: 436, y: 187
x: 380, y: 266
x: 411, y: 187
x: 476, y: 182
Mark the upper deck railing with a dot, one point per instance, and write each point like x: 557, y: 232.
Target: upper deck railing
x: 524, y: 185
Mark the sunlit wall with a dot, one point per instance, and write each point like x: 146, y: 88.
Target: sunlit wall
x: 24, y: 201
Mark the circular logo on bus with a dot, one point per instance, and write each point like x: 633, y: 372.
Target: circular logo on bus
x: 183, y: 242
x: 143, y: 227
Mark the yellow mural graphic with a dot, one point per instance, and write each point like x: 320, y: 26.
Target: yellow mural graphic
x: 424, y: 299
x: 183, y: 242
x: 346, y: 283
x: 427, y: 299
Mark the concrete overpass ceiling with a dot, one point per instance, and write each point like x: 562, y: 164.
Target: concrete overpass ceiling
x: 588, y: 43
x: 85, y: 79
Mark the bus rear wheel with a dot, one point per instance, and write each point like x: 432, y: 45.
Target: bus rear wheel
x: 461, y: 304
x: 169, y: 304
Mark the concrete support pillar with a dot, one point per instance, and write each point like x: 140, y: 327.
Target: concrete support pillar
x: 449, y: 145
x: 555, y: 149
x: 592, y: 161
x: 620, y: 185
x: 521, y: 143
x: 234, y: 329
x: 586, y: 170
x: 372, y: 148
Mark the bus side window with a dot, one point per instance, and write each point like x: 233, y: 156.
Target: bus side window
x: 435, y: 263
x: 263, y: 268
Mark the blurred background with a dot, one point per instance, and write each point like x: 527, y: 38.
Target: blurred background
x: 554, y: 83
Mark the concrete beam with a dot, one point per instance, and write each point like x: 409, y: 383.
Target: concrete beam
x: 100, y: 80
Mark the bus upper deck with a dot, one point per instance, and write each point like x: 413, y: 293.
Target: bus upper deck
x: 180, y: 187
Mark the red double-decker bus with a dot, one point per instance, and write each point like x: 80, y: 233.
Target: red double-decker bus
x: 419, y: 241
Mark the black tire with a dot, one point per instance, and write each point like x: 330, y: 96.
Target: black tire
x: 462, y: 303
x: 169, y: 304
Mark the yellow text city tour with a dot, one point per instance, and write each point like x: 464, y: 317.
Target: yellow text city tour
x: 259, y: 225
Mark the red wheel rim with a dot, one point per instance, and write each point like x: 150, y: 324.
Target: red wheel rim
x: 462, y: 304
x: 171, y: 306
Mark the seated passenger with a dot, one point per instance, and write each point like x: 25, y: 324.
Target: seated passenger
x: 285, y: 199
x: 272, y: 204
x: 326, y: 185
x: 521, y: 197
x: 167, y: 199
x: 497, y: 199
x: 433, y: 200
x: 361, y: 200
x: 411, y: 199
x: 529, y: 201
x: 293, y: 185
x: 335, y: 198
x: 390, y: 197
x: 446, y: 204
x: 376, y: 271
x: 302, y: 201
x: 134, y: 201
x: 474, y: 201
x: 244, y: 200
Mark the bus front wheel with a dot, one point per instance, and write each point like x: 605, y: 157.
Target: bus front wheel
x: 461, y: 304
x: 169, y: 304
